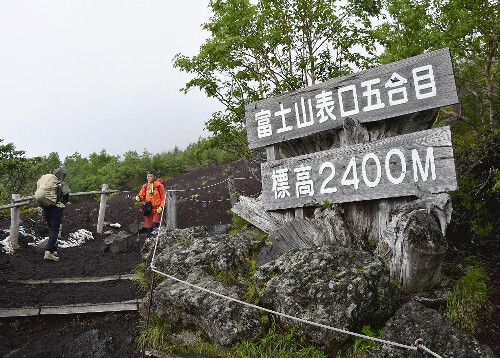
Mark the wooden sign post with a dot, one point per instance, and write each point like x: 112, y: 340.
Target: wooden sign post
x: 363, y: 143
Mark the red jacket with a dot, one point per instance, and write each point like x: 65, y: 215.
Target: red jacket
x: 155, y: 195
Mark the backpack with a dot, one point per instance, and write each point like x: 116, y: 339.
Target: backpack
x: 162, y: 181
x: 46, y: 190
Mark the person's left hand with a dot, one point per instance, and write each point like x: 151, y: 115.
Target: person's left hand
x: 159, y: 209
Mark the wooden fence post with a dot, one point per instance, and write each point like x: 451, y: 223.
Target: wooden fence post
x: 171, y: 210
x: 14, y: 223
x: 102, y: 209
x: 233, y: 195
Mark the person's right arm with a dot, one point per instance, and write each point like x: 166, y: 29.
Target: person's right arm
x: 142, y: 194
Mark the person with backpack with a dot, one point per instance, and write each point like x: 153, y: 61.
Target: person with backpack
x: 152, y: 195
x: 52, y: 194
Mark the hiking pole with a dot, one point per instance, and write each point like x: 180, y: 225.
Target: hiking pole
x: 149, y: 311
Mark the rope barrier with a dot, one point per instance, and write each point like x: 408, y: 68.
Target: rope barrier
x: 203, y: 201
x: 418, y: 344
x: 201, y: 188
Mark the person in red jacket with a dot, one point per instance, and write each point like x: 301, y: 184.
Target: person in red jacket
x: 152, y: 194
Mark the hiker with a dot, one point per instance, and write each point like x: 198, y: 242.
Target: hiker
x: 52, y: 194
x: 152, y: 195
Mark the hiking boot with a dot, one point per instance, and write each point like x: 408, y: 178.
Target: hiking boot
x: 50, y: 256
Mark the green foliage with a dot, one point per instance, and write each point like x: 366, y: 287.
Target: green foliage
x: 362, y: 345
x: 141, y: 277
x: 226, y: 277
x: 327, y: 204
x: 275, y: 344
x: 237, y: 224
x: 476, y: 203
x: 468, y: 300
x: 470, y: 29
x: 155, y: 335
x: 274, y: 47
x: 19, y: 174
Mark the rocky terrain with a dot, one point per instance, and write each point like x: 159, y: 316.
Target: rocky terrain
x: 330, y: 285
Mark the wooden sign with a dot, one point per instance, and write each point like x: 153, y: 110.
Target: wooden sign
x: 399, y: 166
x: 411, y: 85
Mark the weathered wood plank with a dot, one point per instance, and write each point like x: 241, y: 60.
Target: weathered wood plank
x: 14, y: 224
x: 102, y: 209
x: 75, y: 279
x: 171, y: 219
x: 405, y: 165
x: 411, y: 85
x: 130, y: 305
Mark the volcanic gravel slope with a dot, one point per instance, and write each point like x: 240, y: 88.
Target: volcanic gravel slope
x: 68, y: 336
x: 57, y: 336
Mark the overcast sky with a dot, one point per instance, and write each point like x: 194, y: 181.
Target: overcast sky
x: 85, y: 75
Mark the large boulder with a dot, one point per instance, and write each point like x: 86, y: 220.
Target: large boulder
x: 414, y: 321
x: 120, y: 242
x: 335, y: 287
x: 219, y: 263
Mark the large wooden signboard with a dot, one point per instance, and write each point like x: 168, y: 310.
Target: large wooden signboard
x: 411, y: 85
x: 399, y: 166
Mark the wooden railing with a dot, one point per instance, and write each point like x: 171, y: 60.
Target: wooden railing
x: 18, y: 201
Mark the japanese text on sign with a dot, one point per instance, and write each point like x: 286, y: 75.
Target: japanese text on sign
x: 387, y: 168
x: 402, y: 87
x: 320, y: 109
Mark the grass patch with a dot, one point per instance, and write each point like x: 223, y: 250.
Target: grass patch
x: 361, y: 345
x: 469, y: 299
x: 140, y: 276
x: 327, y: 204
x: 238, y: 224
x: 155, y: 335
x: 227, y: 278
x: 283, y: 345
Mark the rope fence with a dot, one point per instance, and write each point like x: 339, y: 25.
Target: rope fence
x: 418, y: 346
x: 18, y: 201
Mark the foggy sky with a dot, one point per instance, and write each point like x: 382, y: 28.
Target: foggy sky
x: 81, y: 76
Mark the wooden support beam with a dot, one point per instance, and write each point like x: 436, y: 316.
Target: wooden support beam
x: 233, y: 194
x: 102, y: 209
x: 14, y: 223
x: 171, y: 210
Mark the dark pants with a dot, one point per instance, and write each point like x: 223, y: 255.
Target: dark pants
x: 150, y: 229
x: 53, y: 216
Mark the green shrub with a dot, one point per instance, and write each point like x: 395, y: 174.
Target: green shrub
x: 476, y: 202
x: 468, y: 300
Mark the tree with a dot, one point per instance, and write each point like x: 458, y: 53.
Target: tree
x: 12, y: 166
x: 470, y: 29
x: 274, y: 47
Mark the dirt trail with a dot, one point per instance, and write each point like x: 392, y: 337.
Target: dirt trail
x: 91, y: 334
